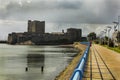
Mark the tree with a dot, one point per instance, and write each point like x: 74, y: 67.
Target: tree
x: 91, y: 36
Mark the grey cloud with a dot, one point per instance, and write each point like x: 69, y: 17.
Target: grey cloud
x: 69, y: 5
x: 48, y: 11
x: 63, y: 13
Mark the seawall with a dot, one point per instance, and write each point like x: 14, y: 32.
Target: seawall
x: 67, y: 72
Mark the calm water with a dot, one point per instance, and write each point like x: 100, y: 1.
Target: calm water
x: 33, y: 62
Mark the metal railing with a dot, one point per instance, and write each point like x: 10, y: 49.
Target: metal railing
x: 78, y: 72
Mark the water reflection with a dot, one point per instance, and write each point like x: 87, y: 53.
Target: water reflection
x: 20, y: 62
x: 35, y: 61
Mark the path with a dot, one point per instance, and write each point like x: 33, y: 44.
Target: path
x: 103, y: 64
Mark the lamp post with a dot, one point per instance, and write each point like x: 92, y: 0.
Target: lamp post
x: 109, y: 29
x: 118, y: 30
x: 116, y: 24
x: 105, y: 31
x: 105, y: 38
x: 115, y: 27
x: 102, y: 32
x: 102, y: 35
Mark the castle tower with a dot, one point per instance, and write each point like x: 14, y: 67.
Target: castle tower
x: 74, y: 34
x: 36, y: 26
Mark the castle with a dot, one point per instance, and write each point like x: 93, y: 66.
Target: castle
x: 36, y: 35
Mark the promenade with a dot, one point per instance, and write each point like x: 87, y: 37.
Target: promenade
x: 103, y: 64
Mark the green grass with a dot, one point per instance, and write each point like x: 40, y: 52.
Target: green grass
x: 116, y: 49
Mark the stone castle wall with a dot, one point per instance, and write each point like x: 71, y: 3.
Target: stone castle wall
x: 36, y: 34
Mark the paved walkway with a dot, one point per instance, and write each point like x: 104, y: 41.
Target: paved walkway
x: 103, y: 64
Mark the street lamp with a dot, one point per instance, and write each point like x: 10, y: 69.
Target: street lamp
x: 116, y: 24
x: 118, y: 30
x: 102, y: 32
x: 109, y: 28
x: 105, y: 31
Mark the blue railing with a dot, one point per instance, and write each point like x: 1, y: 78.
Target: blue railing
x: 78, y: 72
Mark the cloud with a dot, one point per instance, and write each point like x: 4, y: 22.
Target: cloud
x: 54, y: 13
x: 86, y: 11
x: 75, y: 13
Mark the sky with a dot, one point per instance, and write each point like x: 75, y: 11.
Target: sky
x: 89, y: 15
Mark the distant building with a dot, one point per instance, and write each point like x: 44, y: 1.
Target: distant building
x: 36, y: 35
x: 74, y: 34
x: 36, y: 26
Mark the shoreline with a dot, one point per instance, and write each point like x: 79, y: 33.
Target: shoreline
x: 67, y: 45
x: 60, y: 45
x: 67, y: 72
